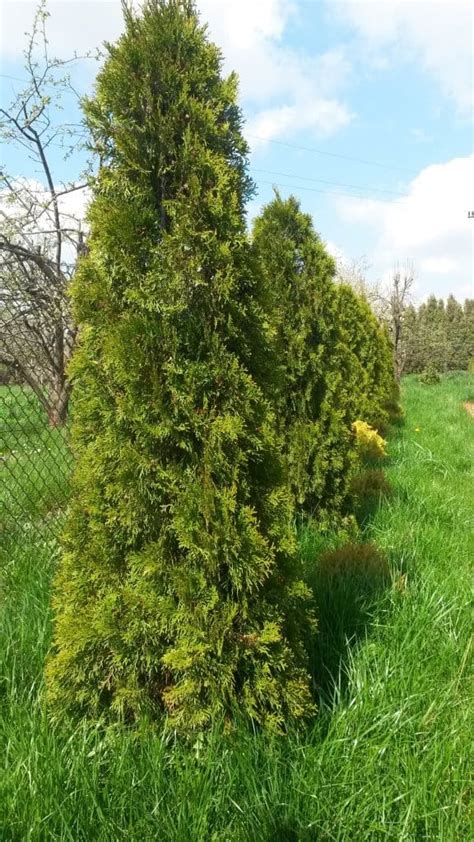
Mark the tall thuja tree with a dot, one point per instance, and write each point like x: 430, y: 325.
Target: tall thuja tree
x: 412, y: 344
x: 468, y: 332
x: 375, y: 392
x: 434, y: 334
x: 437, y: 335
x: 178, y: 590
x: 310, y: 395
x: 454, y: 322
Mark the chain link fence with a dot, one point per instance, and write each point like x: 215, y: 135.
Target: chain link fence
x: 36, y: 340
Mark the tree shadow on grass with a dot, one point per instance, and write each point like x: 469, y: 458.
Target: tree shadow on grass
x: 347, y: 583
x: 370, y: 488
x: 291, y: 831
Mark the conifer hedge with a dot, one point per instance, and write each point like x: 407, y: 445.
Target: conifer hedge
x: 371, y: 370
x: 313, y: 394
x: 335, y: 361
x: 179, y: 589
x: 216, y: 381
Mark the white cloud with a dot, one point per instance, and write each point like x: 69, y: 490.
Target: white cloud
x: 430, y: 226
x: 73, y: 25
x: 438, y: 34
x: 325, y: 116
x: 246, y: 23
x: 290, y: 91
x: 27, y: 216
x: 438, y: 265
x: 337, y: 253
x: 285, y: 90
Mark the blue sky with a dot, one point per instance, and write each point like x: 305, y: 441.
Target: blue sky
x: 364, y: 110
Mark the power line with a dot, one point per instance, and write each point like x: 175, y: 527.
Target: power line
x: 311, y: 149
x: 331, y: 154
x: 13, y: 78
x: 329, y: 192
x: 335, y: 183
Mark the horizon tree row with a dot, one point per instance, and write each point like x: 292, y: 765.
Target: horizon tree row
x: 215, y: 381
x: 439, y: 335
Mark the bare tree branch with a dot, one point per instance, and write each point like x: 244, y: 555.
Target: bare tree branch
x: 389, y: 301
x: 40, y: 238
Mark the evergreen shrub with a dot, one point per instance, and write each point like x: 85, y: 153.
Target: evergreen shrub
x: 370, y: 445
x: 313, y: 391
x: 215, y: 385
x: 179, y: 590
x: 430, y: 376
x: 375, y: 392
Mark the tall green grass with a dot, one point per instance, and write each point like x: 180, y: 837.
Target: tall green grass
x: 388, y: 756
x: 35, y: 462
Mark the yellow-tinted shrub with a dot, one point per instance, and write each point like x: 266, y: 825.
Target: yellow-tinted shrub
x: 370, y: 444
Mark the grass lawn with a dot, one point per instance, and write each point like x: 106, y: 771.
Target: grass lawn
x: 35, y: 460
x: 387, y: 757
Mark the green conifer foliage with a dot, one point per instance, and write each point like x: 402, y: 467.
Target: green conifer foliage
x: 433, y: 328
x: 468, y: 333
x: 454, y: 317
x: 178, y: 590
x: 312, y: 395
x: 370, y: 373
x: 438, y: 336
x: 411, y: 341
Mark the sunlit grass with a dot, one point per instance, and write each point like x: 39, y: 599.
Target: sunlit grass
x: 388, y: 756
x: 35, y: 461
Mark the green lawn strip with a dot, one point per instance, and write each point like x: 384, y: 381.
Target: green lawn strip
x: 388, y: 756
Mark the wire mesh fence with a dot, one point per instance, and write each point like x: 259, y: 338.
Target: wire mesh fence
x: 36, y: 339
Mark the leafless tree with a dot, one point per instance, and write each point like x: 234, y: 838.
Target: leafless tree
x: 402, y: 283
x: 354, y: 274
x: 390, y: 302
x: 40, y: 227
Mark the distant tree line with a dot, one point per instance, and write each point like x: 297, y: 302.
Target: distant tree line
x: 438, y: 335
